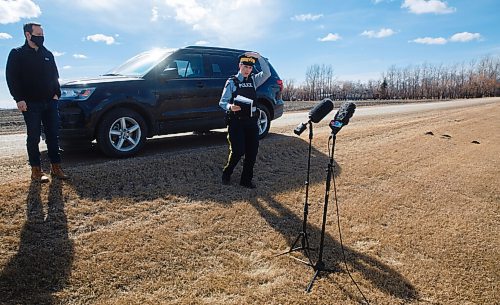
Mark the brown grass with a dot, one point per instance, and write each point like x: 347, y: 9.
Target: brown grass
x: 419, y: 216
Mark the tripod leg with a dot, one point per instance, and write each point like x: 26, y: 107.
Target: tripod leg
x: 291, y: 247
x: 309, y: 287
x: 303, y: 246
x: 306, y: 250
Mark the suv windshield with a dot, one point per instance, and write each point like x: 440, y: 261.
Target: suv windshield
x: 140, y: 64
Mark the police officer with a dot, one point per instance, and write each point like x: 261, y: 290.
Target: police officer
x: 243, y: 131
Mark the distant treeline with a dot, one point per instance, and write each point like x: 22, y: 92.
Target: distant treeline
x: 479, y: 78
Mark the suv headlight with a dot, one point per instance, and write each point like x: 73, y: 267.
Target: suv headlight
x: 76, y: 94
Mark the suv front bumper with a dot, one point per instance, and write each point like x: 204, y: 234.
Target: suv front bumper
x: 75, y: 134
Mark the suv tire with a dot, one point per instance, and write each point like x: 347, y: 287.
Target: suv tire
x: 264, y: 120
x: 121, y: 133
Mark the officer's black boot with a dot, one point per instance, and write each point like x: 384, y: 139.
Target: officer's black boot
x: 248, y: 184
x: 247, y: 174
x: 226, y: 179
x: 228, y: 170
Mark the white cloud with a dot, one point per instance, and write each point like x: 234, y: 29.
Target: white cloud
x: 124, y: 15
x: 458, y: 37
x: 57, y: 54
x: 430, y: 40
x: 222, y: 20
x: 13, y: 11
x: 465, y: 36
x: 154, y: 14
x: 217, y: 21
x: 306, y: 17
x: 101, y: 37
x: 427, y: 6
x: 5, y: 36
x: 382, y: 33
x: 201, y: 43
x: 67, y: 67
x: 330, y: 37
x: 189, y: 11
x: 79, y: 56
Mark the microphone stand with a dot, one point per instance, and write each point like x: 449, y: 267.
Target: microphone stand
x: 304, y: 242
x: 320, y: 265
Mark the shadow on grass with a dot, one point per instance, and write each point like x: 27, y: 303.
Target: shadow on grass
x: 380, y: 275
x: 166, y: 144
x: 42, y: 264
x: 189, y: 169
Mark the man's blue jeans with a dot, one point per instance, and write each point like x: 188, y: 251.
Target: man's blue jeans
x: 43, y: 113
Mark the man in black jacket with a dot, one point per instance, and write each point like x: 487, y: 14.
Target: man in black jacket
x: 33, y: 81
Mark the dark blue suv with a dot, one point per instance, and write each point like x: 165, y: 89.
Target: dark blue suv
x: 162, y: 91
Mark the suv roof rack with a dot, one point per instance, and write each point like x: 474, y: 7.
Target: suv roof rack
x: 214, y: 48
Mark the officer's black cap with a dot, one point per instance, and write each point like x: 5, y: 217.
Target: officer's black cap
x: 247, y: 60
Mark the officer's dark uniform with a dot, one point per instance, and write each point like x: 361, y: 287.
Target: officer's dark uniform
x: 243, y: 131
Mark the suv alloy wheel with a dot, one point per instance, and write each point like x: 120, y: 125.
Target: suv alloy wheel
x: 263, y: 121
x: 121, y: 133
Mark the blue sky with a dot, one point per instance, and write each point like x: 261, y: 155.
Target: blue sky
x: 360, y: 39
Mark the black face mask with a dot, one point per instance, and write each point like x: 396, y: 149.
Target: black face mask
x: 38, y: 40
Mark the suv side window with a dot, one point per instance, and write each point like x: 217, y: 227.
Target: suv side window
x: 188, y: 66
x: 223, y: 66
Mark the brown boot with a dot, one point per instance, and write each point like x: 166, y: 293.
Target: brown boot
x: 57, y: 172
x: 38, y: 175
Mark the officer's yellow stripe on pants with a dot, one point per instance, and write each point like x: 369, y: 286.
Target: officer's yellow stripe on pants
x: 243, y: 139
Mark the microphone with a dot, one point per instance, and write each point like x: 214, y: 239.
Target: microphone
x: 342, y: 117
x: 321, y: 110
x: 300, y: 128
x: 315, y: 115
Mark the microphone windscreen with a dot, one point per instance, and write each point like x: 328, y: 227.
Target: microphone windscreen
x: 345, y: 112
x: 321, y: 110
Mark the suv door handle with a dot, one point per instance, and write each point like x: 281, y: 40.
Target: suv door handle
x: 200, y: 84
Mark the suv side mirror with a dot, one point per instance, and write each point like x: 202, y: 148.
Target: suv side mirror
x: 169, y: 73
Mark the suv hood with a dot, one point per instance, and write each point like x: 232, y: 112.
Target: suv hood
x: 100, y: 80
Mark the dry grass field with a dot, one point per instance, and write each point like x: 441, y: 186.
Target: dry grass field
x: 419, y: 214
x: 11, y: 121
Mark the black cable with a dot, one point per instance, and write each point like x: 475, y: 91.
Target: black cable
x: 340, y: 231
